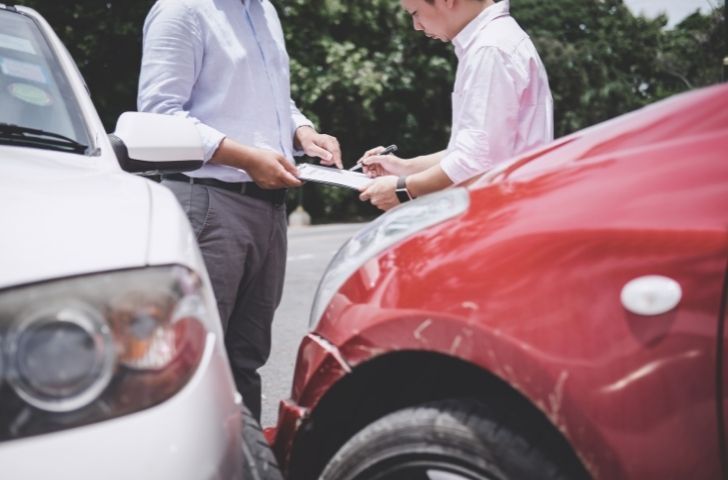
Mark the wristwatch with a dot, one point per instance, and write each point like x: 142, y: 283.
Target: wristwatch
x: 403, y: 195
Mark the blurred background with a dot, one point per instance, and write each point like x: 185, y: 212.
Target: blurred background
x: 361, y: 73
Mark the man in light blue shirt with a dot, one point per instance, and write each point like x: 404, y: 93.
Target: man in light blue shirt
x: 223, y: 64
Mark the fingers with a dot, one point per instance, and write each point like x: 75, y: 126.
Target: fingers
x: 377, y: 165
x: 288, y: 166
x: 326, y: 148
x: 331, y: 145
x: 314, y: 150
x: 381, y: 193
x: 280, y: 173
x: 290, y: 173
x: 373, y: 160
x: 374, y: 171
x: 374, y: 151
x: 282, y: 179
x: 289, y: 180
x: 369, y: 153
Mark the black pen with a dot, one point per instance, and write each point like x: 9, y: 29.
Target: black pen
x: 386, y: 151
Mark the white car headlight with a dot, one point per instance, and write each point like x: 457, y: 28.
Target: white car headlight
x: 84, y: 349
x: 390, y: 228
x: 62, y: 356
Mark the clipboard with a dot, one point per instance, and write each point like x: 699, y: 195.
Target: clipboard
x: 333, y: 176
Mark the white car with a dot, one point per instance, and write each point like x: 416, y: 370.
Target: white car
x: 112, y: 363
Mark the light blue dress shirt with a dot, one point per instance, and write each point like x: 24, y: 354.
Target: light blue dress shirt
x: 223, y: 64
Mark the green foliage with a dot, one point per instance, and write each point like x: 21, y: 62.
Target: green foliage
x: 361, y: 73
x: 603, y: 61
x: 690, y: 56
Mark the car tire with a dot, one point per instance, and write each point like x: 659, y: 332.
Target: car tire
x: 260, y: 464
x: 450, y: 439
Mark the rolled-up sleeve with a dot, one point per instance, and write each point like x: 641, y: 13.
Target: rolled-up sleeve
x: 172, y: 58
x: 485, y: 120
x: 299, y: 119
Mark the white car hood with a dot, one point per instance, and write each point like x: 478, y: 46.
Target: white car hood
x: 64, y: 214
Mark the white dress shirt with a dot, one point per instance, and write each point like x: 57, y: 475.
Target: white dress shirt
x: 223, y: 64
x: 501, y: 103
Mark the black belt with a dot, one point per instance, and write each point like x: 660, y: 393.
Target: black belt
x: 251, y: 189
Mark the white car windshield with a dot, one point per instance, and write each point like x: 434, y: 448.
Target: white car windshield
x: 37, y: 106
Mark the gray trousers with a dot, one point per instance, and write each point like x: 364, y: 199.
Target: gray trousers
x: 243, y: 242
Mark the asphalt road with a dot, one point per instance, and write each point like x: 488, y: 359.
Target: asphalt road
x: 309, y: 251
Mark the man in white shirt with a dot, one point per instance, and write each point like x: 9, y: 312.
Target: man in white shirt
x: 223, y: 64
x: 501, y: 102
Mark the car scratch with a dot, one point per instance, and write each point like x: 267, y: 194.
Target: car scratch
x: 557, y: 396
x: 421, y: 328
x: 371, y: 351
x: 455, y: 344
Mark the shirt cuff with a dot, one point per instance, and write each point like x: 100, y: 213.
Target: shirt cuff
x: 211, y: 140
x: 299, y: 120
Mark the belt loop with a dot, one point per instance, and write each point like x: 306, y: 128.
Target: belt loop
x: 243, y: 187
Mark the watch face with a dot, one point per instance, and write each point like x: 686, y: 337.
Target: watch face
x: 402, y: 195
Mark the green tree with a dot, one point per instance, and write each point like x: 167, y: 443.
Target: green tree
x: 601, y: 59
x: 691, y: 55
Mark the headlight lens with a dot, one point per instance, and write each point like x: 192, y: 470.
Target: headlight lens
x: 62, y: 357
x: 85, y: 349
x: 388, y: 229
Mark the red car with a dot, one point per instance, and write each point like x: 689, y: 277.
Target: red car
x: 562, y: 318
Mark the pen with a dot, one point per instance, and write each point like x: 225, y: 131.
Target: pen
x: 386, y: 151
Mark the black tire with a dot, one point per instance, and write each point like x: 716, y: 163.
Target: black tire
x: 259, y: 462
x: 455, y: 437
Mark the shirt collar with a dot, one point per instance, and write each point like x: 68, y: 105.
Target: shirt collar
x: 463, y: 39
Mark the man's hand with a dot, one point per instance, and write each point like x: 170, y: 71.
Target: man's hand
x: 381, y: 193
x: 319, y: 145
x: 272, y: 170
x: 376, y: 165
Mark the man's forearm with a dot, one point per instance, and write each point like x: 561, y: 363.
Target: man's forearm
x: 233, y: 154
x: 424, y: 162
x: 428, y: 181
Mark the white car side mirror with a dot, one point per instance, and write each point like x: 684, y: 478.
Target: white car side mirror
x: 153, y: 143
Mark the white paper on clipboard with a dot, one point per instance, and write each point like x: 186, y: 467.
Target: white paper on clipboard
x: 333, y: 176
